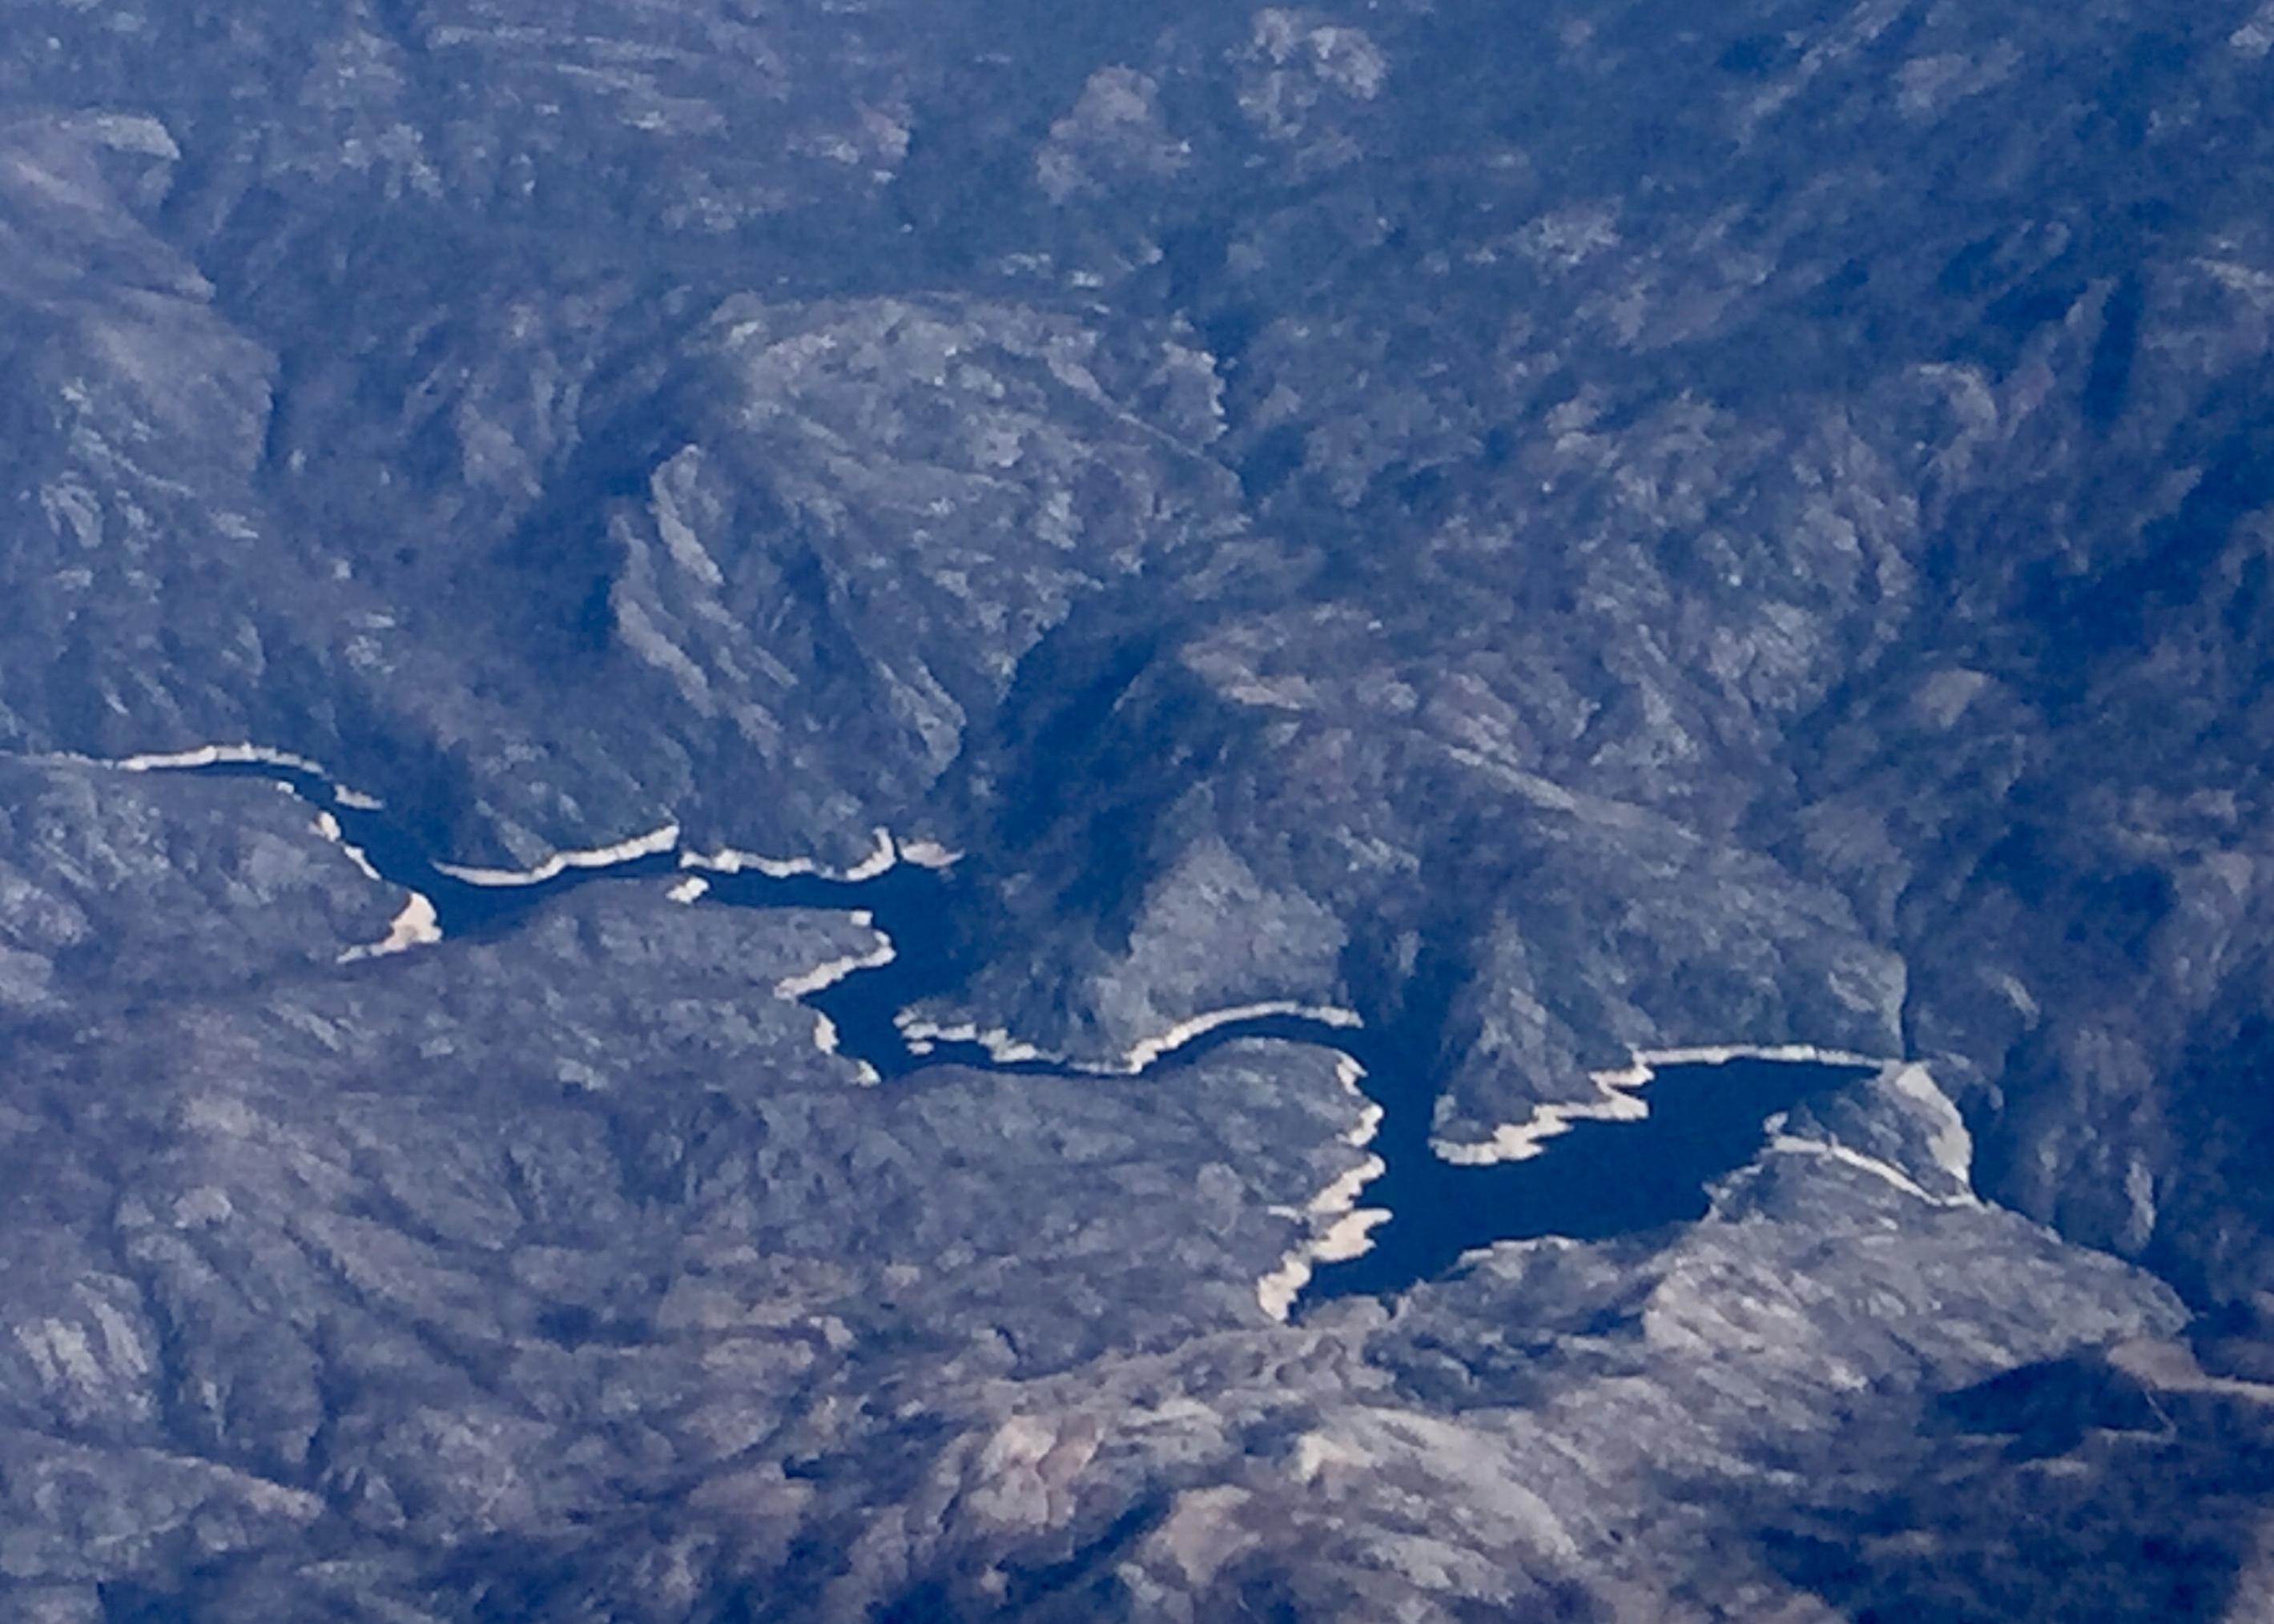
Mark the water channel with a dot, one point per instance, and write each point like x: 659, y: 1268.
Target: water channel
x: 1597, y: 1180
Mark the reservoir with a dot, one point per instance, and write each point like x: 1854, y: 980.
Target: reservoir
x: 1596, y: 1181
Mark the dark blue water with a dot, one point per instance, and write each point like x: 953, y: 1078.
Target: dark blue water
x: 1596, y: 1181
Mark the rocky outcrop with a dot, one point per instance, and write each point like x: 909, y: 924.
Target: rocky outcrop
x: 499, y: 1244
x: 1566, y: 534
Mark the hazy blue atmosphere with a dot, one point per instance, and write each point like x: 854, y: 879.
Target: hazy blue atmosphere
x: 892, y: 811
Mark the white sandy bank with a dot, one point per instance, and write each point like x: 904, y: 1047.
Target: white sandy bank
x: 1339, y: 1227
x: 1618, y: 1096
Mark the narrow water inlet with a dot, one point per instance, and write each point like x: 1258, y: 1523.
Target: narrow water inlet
x: 1594, y: 1180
